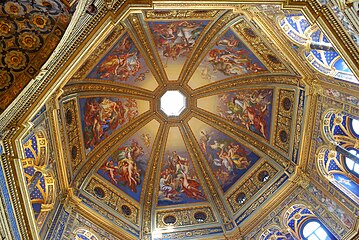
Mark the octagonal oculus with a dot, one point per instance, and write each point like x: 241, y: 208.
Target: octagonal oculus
x: 172, y: 103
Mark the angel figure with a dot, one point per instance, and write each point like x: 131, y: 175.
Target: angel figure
x: 146, y: 139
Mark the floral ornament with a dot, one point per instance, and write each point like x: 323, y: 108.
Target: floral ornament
x: 40, y: 21
x: 6, y: 79
x: 15, y: 60
x: 6, y: 28
x: 64, y: 19
x: 51, y: 6
x: 13, y: 8
x: 29, y: 41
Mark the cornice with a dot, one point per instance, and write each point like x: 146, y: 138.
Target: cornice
x: 324, y: 17
x: 12, y: 179
x: 278, y: 198
x: 96, y: 218
x: 89, y: 87
x: 243, y: 82
x: 308, y: 125
x: 57, y: 133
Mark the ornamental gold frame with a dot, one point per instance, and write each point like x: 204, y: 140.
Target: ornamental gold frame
x: 76, y: 47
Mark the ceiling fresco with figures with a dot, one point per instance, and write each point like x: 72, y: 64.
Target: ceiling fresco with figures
x: 233, y: 139
x: 200, y: 172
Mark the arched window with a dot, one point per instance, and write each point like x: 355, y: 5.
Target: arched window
x: 341, y: 164
x: 352, y: 165
x: 40, y: 182
x: 314, y: 230
x: 318, y: 50
x: 304, y: 224
x: 354, y: 127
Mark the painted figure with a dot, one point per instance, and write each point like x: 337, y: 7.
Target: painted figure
x: 176, y: 39
x: 229, y: 57
x: 178, y: 183
x: 104, y: 115
x: 146, y: 139
x: 191, y: 187
x: 122, y: 62
x: 227, y: 158
x: 248, y: 108
x: 123, y: 167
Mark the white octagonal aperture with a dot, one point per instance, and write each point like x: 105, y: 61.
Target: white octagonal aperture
x: 173, y: 102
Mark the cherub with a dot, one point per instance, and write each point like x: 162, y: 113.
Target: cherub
x: 146, y: 139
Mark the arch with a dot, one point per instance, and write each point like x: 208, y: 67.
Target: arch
x: 332, y: 166
x: 274, y: 232
x: 41, y: 187
x: 338, y: 161
x: 84, y: 234
x: 314, y: 229
x: 338, y: 128
x: 351, y: 165
x: 36, y: 147
x: 40, y: 182
x: 296, y: 218
x: 319, y: 52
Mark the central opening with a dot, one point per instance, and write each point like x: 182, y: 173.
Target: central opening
x: 173, y: 102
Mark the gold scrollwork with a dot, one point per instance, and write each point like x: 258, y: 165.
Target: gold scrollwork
x: 180, y: 14
x: 150, y: 188
x: 250, y: 186
x: 285, y: 108
x: 184, y: 217
x: 113, y: 199
x: 135, y: 21
x: 105, y: 87
x: 98, y: 53
x: 259, y: 46
x: 73, y: 133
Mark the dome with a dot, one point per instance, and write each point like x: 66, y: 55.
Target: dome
x: 169, y: 121
x: 230, y: 140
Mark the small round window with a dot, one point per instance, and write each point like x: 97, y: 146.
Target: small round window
x: 99, y: 192
x: 241, y: 198
x: 263, y: 176
x: 126, y: 210
x: 170, y: 220
x: 287, y: 104
x: 200, y: 216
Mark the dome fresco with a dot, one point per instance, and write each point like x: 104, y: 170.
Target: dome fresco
x: 174, y: 42
x: 175, y: 120
x: 215, y: 146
